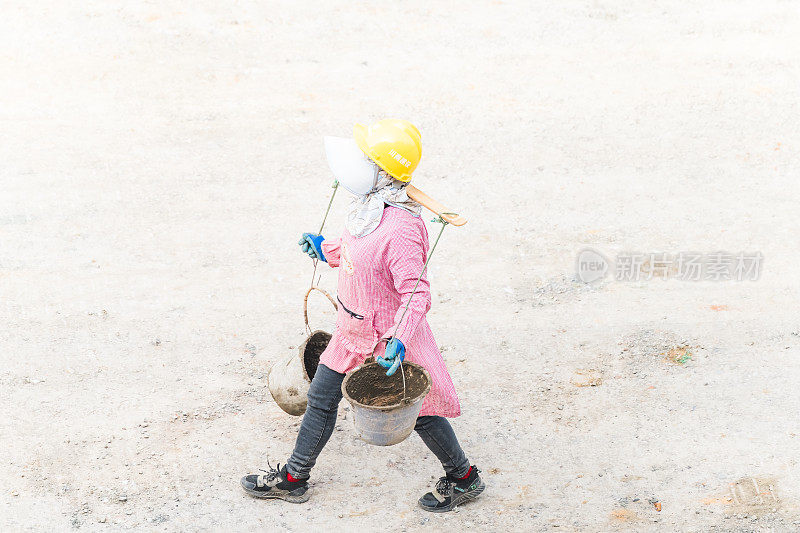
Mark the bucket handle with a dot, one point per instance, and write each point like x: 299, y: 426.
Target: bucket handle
x: 305, y: 303
x: 371, y: 358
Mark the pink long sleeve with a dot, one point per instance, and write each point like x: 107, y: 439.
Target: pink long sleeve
x: 377, y: 273
x: 406, y: 255
x: 331, y: 249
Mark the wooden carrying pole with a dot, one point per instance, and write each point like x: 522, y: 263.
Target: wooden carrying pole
x: 429, y: 203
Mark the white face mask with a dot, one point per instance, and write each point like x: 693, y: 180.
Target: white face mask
x: 350, y: 166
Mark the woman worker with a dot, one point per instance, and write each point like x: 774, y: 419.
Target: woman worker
x: 380, y: 256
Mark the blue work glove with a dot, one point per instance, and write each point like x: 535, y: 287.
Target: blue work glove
x: 395, y: 354
x: 311, y: 243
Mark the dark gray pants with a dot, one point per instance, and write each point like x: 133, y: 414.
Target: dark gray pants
x: 319, y: 420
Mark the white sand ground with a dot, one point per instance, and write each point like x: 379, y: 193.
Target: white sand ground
x: 158, y: 161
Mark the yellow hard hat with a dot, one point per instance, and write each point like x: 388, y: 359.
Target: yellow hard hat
x: 393, y: 144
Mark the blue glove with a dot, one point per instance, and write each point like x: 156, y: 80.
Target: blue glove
x: 311, y: 243
x: 395, y: 354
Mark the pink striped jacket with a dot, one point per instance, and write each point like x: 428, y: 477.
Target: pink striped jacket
x: 377, y: 273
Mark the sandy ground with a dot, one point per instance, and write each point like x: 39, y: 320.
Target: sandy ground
x: 158, y: 162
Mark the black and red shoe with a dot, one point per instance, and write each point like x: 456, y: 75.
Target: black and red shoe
x: 451, y: 492
x: 276, y: 483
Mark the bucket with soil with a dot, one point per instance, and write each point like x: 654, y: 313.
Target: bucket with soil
x: 290, y: 378
x: 384, y: 409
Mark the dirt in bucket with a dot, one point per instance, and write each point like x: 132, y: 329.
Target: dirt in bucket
x: 370, y: 385
x: 314, y: 347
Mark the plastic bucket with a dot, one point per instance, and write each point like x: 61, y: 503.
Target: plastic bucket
x: 381, y: 415
x: 290, y: 378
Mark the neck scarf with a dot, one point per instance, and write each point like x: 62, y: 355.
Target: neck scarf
x: 366, y: 211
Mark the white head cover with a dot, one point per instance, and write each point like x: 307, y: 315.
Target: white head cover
x: 350, y: 166
x: 372, y: 187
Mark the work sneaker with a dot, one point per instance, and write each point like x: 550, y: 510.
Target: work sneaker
x: 451, y: 491
x: 276, y: 483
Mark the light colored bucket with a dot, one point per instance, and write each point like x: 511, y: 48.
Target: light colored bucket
x: 389, y: 424
x: 290, y: 378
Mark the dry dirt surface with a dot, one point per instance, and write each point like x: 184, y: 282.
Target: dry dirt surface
x: 159, y: 160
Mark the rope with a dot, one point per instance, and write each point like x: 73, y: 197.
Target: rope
x: 330, y: 203
x: 316, y: 261
x: 424, y: 267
